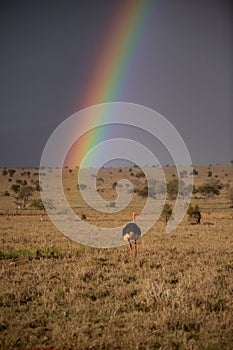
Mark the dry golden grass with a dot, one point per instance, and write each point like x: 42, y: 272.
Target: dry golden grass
x: 57, y: 294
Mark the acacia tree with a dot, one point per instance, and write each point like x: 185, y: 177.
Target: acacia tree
x: 209, y: 191
x: 24, y: 194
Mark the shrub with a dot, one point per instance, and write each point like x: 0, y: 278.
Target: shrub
x: 172, y: 189
x: 167, y: 212
x: 37, y: 204
x: 111, y: 204
x: 36, y: 183
x: 19, y: 181
x: 194, y: 213
x: 142, y: 193
x: 140, y: 174
x: 4, y: 172
x: 183, y: 174
x: 81, y: 187
x: 15, y: 188
x: 209, y: 190
x: 83, y: 217
x: 11, y: 172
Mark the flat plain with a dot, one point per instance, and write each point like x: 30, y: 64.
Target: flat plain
x: 58, y: 294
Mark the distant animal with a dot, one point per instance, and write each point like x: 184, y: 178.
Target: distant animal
x: 131, y: 232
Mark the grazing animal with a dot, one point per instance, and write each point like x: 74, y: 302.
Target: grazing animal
x: 131, y: 232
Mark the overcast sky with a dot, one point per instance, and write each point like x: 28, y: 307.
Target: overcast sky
x: 183, y: 69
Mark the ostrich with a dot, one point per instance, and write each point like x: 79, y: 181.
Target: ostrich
x: 131, y: 232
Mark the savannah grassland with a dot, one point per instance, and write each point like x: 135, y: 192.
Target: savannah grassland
x: 58, y: 294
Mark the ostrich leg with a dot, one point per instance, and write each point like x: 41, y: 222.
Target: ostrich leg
x: 130, y: 247
x: 135, y: 248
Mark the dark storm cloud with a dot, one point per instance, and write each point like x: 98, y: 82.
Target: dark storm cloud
x: 183, y: 69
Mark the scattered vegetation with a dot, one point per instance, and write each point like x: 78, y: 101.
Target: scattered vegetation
x: 58, y: 294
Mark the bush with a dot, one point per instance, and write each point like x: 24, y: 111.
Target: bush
x: 194, y: 213
x: 37, y: 204
x: 15, y: 188
x: 147, y: 192
x: 172, y: 189
x: 209, y: 190
x: 183, y: 174
x: 143, y: 193
x: 36, y: 183
x: 81, y: 187
x: 140, y: 174
x: 167, y: 212
x: 19, y: 181
x: 11, y: 172
x: 4, y: 172
x: 83, y: 217
x: 111, y: 204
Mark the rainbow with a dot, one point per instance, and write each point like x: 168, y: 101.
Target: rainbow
x: 116, y: 56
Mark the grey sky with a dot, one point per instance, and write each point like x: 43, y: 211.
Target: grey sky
x: 184, y: 70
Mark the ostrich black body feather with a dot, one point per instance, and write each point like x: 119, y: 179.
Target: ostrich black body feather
x: 131, y: 227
